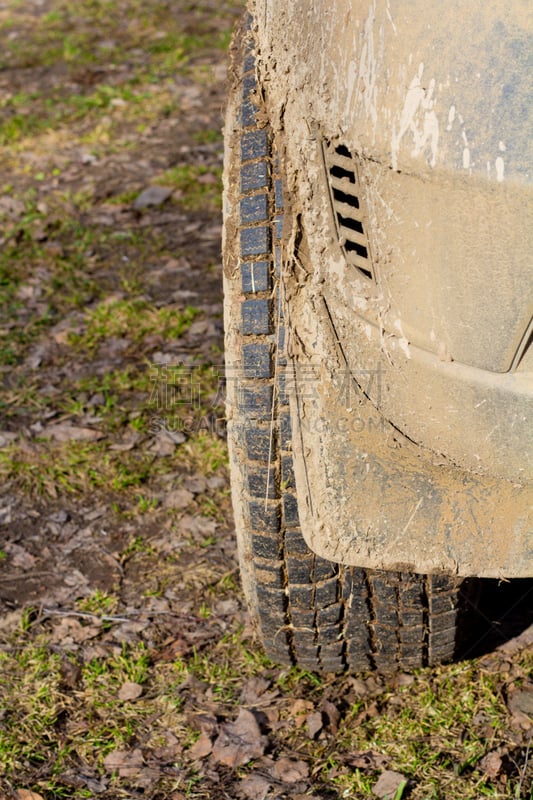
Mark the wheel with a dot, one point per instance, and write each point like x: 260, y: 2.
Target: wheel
x: 323, y: 616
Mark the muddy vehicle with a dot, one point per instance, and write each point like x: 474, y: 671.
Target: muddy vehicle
x: 378, y: 312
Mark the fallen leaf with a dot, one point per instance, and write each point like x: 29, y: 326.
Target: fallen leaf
x: 332, y: 715
x: 314, y: 723
x: 10, y: 621
x: 19, y: 557
x: 68, y: 631
x: 518, y: 643
x: 27, y: 794
x: 197, y: 484
x: 359, y: 686
x: 130, y: 691
x: 207, y: 177
x: 204, y: 722
x: 289, y: 771
x: 388, y: 784
x: 299, y: 711
x: 254, y: 692
x: 7, y: 437
x: 162, y: 448
x: 520, y: 704
x: 368, y: 760
x: 178, y: 498
x: 255, y: 787
x: 491, y: 764
x: 126, y: 762
x: 153, y: 196
x: 239, y: 741
x: 171, y: 651
x: 62, y: 432
x: 70, y: 673
x: 202, y: 747
x: 306, y: 797
x: 128, y: 442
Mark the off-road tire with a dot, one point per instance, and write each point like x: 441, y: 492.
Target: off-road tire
x: 323, y: 616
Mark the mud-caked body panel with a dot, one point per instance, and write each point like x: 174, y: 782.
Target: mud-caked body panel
x: 429, y: 108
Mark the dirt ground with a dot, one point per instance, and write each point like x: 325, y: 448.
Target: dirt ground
x: 128, y: 667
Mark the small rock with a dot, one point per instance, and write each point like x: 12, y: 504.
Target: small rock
x: 153, y: 196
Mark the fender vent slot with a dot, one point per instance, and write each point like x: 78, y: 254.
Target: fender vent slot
x: 345, y: 195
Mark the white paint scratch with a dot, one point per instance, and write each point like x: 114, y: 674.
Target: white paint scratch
x: 369, y: 62
x: 451, y: 118
x: 418, y: 117
x: 389, y: 16
x: 411, y: 518
x: 500, y: 169
x: 403, y: 344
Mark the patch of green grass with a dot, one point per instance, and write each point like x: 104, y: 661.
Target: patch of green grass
x: 208, y: 453
x: 426, y: 729
x: 35, y: 699
x: 200, y: 187
x: 19, y: 126
x: 187, y: 397
x: 137, y: 545
x: 34, y: 708
x: 58, y: 275
x: 208, y: 136
x: 98, y: 603
x: 133, y: 319
x: 103, y: 97
x: 58, y: 37
x: 53, y: 469
x: 124, y: 198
